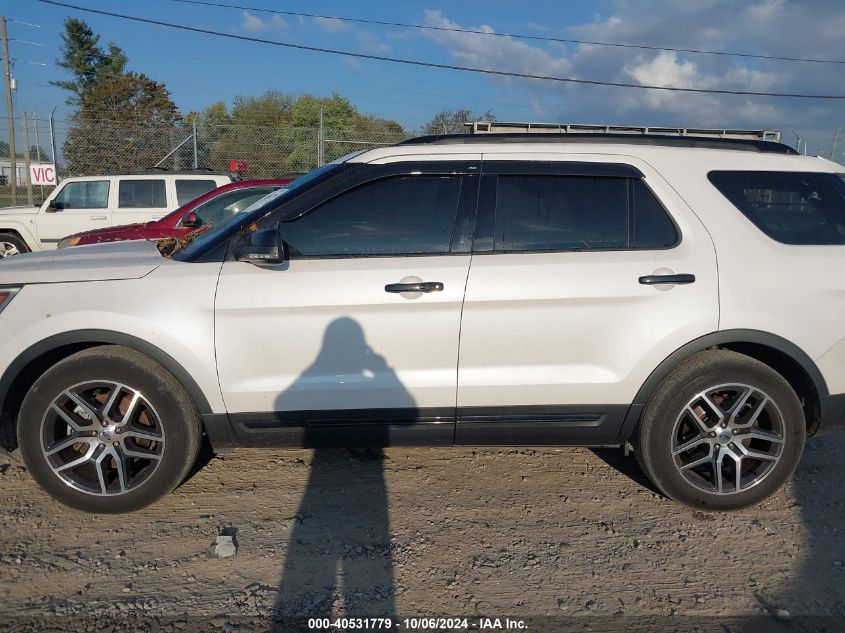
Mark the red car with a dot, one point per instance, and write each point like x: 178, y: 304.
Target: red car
x: 209, y: 208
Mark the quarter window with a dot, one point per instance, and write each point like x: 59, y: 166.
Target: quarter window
x: 790, y: 207
x: 142, y: 194
x: 187, y: 190
x: 652, y: 226
x: 90, y: 194
x: 407, y: 215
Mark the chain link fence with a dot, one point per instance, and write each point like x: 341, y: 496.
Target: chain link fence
x: 107, y: 147
x: 265, y: 151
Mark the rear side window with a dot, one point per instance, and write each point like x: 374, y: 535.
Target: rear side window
x: 560, y: 213
x: 187, y: 190
x: 407, y: 215
x: 790, y: 207
x: 141, y: 194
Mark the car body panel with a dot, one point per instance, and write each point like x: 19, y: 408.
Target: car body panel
x: 577, y: 327
x: 532, y: 338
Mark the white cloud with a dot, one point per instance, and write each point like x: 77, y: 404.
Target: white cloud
x: 354, y: 64
x: 331, y: 25
x: 255, y: 24
x: 252, y: 22
x: 811, y: 28
x: 370, y: 43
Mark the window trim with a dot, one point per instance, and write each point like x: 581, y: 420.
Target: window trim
x: 488, y: 202
x: 763, y: 231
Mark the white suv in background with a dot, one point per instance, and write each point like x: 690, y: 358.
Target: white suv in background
x: 83, y: 203
x: 684, y: 295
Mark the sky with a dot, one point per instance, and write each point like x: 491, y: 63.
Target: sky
x: 200, y: 69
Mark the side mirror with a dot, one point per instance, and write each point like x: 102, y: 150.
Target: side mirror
x: 190, y: 220
x: 53, y: 206
x: 262, y: 247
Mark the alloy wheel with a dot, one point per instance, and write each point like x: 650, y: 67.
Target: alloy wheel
x: 728, y: 438
x: 7, y: 249
x: 102, y: 437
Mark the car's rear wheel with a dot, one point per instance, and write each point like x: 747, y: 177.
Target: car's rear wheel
x: 724, y: 431
x: 108, y: 430
x: 11, y: 244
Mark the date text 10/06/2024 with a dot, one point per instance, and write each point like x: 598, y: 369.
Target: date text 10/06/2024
x: 416, y: 624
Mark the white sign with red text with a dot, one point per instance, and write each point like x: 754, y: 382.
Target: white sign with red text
x: 43, y: 174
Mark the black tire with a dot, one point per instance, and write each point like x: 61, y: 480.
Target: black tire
x: 14, y: 240
x: 179, y: 427
x: 666, y: 413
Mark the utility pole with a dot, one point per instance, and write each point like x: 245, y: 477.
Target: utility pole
x: 7, y: 76
x: 835, y: 143
x: 25, y: 127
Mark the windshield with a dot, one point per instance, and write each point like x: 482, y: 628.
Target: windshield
x: 197, y: 242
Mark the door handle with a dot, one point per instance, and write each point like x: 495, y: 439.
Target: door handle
x: 653, y: 280
x: 98, y: 217
x: 422, y: 286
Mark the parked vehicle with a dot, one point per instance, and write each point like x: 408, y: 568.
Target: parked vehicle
x: 683, y: 295
x: 209, y: 208
x: 91, y: 202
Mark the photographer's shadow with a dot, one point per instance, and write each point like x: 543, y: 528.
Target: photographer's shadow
x: 338, y: 560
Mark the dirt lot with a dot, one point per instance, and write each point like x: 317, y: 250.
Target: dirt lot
x: 572, y: 537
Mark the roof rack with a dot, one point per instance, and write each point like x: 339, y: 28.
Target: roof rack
x: 663, y: 140
x: 500, y: 127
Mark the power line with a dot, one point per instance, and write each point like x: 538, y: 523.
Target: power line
x: 514, y: 35
x: 37, y: 26
x: 14, y: 39
x: 413, y: 62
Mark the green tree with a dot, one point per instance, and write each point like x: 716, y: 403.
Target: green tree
x: 250, y: 133
x: 452, y: 121
x: 85, y: 60
x: 277, y: 134
x: 124, y: 123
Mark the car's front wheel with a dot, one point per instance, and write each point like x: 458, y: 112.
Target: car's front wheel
x: 11, y: 244
x: 724, y: 431
x: 108, y: 430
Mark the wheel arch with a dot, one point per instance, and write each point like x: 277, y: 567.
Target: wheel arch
x: 22, y: 232
x: 785, y: 357
x: 25, y: 369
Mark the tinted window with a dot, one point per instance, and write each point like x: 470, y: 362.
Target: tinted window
x: 93, y: 194
x: 652, y: 226
x: 187, y: 190
x: 790, y: 207
x: 397, y: 216
x: 543, y: 213
x: 141, y: 194
x: 224, y: 207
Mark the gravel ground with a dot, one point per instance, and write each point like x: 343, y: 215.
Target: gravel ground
x: 572, y: 538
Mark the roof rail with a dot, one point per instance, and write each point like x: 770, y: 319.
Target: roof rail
x: 504, y: 127
x: 664, y: 140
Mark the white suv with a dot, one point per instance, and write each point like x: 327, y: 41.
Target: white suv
x: 683, y: 295
x: 85, y: 203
